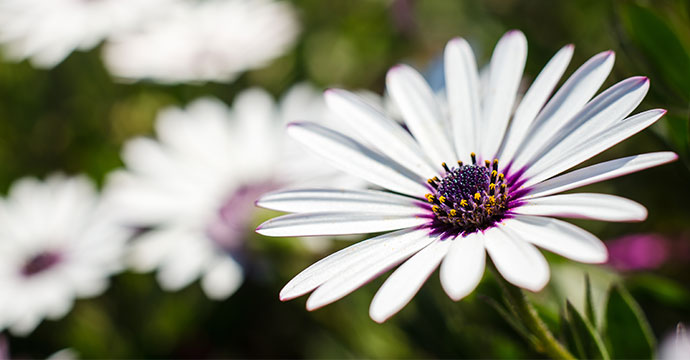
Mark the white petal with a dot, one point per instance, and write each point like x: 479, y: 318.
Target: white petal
x: 463, y: 267
x: 534, y: 100
x: 462, y: 87
x: 600, y: 172
x: 567, y: 101
x: 328, y: 200
x: 150, y: 249
x: 505, y: 74
x: 585, y: 206
x: 421, y: 112
x: 336, y: 223
x: 518, y: 261
x: 356, y: 159
x: 554, y: 163
x: 380, y: 131
x: 601, y: 113
x: 560, y: 237
x: 222, y: 279
x: 406, y: 281
x: 185, y: 263
x: 392, y: 253
x: 336, y: 263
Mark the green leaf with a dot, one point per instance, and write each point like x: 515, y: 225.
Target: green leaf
x: 511, y: 319
x: 678, y: 131
x: 566, y: 333
x: 589, y: 304
x: 587, y: 341
x: 628, y: 332
x: 660, y: 44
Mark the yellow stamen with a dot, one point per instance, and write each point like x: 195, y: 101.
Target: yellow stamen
x: 477, y: 196
x: 453, y: 212
x: 463, y: 202
x: 442, y: 199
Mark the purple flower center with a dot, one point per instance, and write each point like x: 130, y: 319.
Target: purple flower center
x: 468, y: 198
x: 228, y: 229
x: 40, y: 263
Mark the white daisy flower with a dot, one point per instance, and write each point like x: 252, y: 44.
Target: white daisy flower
x: 58, y: 242
x: 47, y: 31
x: 481, y: 179
x: 212, y: 40
x: 195, y: 186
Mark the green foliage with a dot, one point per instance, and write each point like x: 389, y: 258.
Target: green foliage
x: 661, y: 44
x: 627, y: 330
x: 586, y: 341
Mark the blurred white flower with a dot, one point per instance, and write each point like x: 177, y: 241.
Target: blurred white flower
x: 213, y: 40
x: 195, y: 186
x: 675, y: 346
x: 47, y: 31
x: 57, y: 242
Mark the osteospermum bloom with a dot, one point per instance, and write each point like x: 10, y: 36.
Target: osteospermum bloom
x: 486, y: 177
x: 58, y: 242
x: 47, y: 31
x: 195, y: 186
x: 212, y: 40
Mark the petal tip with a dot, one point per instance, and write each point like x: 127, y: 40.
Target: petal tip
x: 377, y: 317
x: 284, y: 297
x: 313, y: 305
x: 332, y: 92
x: 514, y: 32
x: 457, y: 41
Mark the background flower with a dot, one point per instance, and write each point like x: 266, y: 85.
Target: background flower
x: 47, y: 31
x: 194, y: 188
x: 59, y: 243
x: 212, y: 40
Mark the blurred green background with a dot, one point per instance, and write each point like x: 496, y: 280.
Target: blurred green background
x: 74, y: 118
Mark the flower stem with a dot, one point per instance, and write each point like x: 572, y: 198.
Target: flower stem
x: 523, y: 308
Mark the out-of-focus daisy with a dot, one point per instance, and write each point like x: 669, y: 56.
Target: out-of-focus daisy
x: 47, y: 31
x: 212, y: 40
x: 639, y: 251
x: 195, y: 186
x: 676, y: 346
x: 481, y: 179
x: 58, y: 242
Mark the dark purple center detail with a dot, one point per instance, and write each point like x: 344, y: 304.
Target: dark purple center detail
x: 40, y: 263
x: 463, y: 182
x: 468, y: 198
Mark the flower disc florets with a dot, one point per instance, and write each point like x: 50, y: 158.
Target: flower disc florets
x: 469, y: 197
